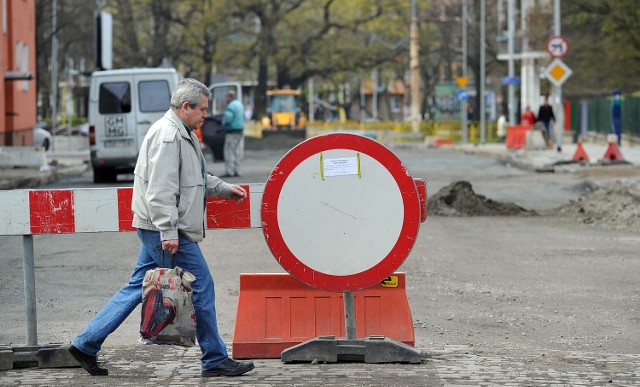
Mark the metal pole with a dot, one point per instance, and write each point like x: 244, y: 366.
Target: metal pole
x: 374, y: 80
x: 311, y: 106
x: 54, y: 69
x: 463, y: 103
x: 415, y: 75
x: 483, y: 6
x: 69, y: 99
x: 512, y: 30
x: 30, y: 290
x: 559, y: 113
x: 349, y: 315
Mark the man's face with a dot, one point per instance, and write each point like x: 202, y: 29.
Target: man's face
x: 193, y: 116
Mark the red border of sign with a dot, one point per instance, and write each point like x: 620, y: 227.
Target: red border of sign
x: 297, y: 268
x: 557, y: 37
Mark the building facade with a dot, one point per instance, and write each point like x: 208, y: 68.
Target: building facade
x: 17, y: 69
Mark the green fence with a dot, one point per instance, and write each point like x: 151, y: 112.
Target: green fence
x: 599, y: 115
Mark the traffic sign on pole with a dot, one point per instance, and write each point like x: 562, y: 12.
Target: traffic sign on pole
x: 462, y: 81
x: 462, y: 95
x: 557, y: 72
x: 557, y: 46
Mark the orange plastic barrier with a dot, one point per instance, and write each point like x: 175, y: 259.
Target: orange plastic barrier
x: 516, y: 136
x: 580, y: 154
x: 276, y: 311
x: 442, y: 141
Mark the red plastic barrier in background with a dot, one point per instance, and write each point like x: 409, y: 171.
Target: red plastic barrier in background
x: 516, y: 136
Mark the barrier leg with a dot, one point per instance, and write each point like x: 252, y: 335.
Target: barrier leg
x: 30, y: 290
x: 32, y: 354
x: 349, y: 315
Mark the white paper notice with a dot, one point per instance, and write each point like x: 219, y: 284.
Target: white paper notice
x: 341, y: 167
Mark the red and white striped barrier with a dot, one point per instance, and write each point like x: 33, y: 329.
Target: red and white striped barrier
x: 86, y: 210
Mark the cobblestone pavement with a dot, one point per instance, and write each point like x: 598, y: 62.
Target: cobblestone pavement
x: 450, y: 366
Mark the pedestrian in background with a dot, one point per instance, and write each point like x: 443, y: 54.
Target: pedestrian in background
x: 168, y: 203
x: 233, y: 125
x: 545, y: 115
x: 502, y: 128
x: 528, y: 118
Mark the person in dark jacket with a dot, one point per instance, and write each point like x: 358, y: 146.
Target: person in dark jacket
x: 545, y: 115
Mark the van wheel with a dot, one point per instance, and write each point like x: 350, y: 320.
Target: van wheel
x: 104, y: 175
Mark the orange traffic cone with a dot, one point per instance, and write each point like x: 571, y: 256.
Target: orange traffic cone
x: 613, y: 153
x: 580, y: 155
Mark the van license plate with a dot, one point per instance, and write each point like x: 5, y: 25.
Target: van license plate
x: 115, y: 126
x: 117, y: 143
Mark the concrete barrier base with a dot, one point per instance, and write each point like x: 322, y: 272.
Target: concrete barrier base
x: 374, y: 349
x: 41, y: 356
x: 22, y: 156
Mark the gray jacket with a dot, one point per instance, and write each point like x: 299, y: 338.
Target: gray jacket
x: 169, y: 184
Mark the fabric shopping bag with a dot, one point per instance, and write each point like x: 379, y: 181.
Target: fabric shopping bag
x: 168, y: 316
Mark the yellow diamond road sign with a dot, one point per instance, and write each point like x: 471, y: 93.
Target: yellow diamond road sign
x: 557, y: 72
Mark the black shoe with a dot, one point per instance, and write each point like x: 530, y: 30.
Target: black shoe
x: 236, y: 174
x: 229, y: 367
x: 226, y: 175
x: 88, y: 362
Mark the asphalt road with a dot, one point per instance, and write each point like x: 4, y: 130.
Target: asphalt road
x: 541, y: 293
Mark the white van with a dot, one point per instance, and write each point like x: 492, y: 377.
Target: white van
x: 122, y: 106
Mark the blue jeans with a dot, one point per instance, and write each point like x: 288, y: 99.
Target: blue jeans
x: 190, y: 258
x: 547, y: 129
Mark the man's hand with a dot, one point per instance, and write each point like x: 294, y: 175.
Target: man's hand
x: 170, y: 246
x: 238, y: 193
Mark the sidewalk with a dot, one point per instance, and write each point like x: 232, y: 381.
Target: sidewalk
x: 140, y: 365
x: 60, y: 164
x: 550, y: 160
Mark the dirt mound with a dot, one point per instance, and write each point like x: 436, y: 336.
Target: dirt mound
x: 458, y: 199
x: 617, y: 206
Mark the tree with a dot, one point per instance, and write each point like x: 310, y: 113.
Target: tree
x: 604, y: 38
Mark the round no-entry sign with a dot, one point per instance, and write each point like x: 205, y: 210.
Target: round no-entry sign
x: 340, y: 212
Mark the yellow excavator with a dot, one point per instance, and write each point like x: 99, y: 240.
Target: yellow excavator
x: 284, y: 114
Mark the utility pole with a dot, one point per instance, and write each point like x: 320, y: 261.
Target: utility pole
x: 483, y: 6
x: 559, y: 113
x: 54, y: 69
x: 463, y: 103
x: 415, y: 75
x: 512, y: 31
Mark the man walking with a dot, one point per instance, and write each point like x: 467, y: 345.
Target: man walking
x: 169, y: 196
x: 545, y: 115
x: 233, y: 125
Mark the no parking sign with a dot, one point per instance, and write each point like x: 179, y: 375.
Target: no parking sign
x: 340, y: 212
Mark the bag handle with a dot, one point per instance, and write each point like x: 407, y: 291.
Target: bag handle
x: 173, y: 260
